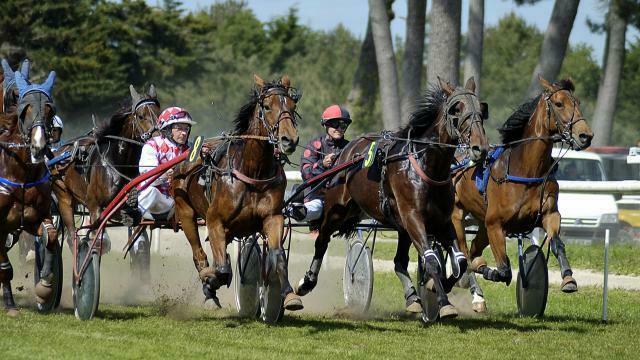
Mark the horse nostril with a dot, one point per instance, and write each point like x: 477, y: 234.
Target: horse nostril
x: 585, y: 138
x: 285, y: 140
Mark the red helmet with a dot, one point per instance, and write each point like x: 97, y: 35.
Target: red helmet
x: 335, y: 113
x: 174, y: 115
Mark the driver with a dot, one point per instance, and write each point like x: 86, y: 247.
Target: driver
x: 174, y: 124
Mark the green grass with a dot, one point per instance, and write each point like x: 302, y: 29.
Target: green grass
x: 623, y: 258
x: 168, y: 329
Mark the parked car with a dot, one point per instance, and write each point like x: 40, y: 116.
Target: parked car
x: 623, y: 164
x: 584, y: 215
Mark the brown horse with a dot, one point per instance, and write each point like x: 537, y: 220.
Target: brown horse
x: 104, y: 161
x: 521, y: 193
x: 411, y: 177
x: 25, y: 194
x: 247, y: 184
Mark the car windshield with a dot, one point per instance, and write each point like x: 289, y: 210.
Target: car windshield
x: 579, y: 170
x: 617, y: 169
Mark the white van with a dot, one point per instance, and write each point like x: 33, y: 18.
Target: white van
x: 584, y: 215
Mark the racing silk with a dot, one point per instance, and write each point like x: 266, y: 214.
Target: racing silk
x: 157, y: 151
x: 312, y: 156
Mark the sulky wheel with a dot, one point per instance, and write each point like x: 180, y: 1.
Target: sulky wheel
x: 247, y: 277
x: 430, y: 306
x: 86, y: 295
x: 357, y: 280
x: 533, y: 283
x: 270, y: 294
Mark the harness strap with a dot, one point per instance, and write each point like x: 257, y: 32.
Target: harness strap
x: 423, y: 175
x: 41, y: 181
x: 260, y: 184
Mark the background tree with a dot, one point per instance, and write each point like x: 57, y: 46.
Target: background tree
x: 603, y: 116
x: 554, y: 45
x: 386, y: 60
x: 412, y: 59
x: 475, y: 36
x: 444, y: 41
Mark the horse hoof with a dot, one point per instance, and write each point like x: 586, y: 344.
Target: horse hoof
x: 414, y: 307
x: 206, y: 273
x: 430, y: 285
x: 479, y: 307
x: 478, y: 263
x: 43, y: 291
x: 30, y: 258
x: 448, y: 312
x: 292, y: 302
x: 13, y: 312
x: 569, y: 284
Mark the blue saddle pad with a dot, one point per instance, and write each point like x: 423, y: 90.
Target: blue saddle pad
x: 481, y: 173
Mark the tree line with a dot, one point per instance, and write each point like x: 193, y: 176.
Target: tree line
x: 203, y: 60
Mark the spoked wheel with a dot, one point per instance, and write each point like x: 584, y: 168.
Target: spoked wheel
x: 86, y: 295
x: 533, y: 283
x: 430, y: 306
x: 247, y: 277
x: 357, y: 279
x: 40, y: 244
x: 270, y: 292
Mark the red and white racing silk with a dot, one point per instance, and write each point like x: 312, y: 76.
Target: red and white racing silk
x: 157, y: 151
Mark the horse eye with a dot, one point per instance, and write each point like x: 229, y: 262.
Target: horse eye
x: 267, y: 107
x: 559, y: 104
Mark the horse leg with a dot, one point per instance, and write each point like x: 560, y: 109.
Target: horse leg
x: 187, y: 216
x: 273, y: 229
x: 457, y: 218
x: 44, y: 288
x: 551, y: 224
x: 220, y: 274
x: 310, y: 279
x: 65, y: 207
x: 499, y: 249
x: 401, y: 260
x: 6, y: 275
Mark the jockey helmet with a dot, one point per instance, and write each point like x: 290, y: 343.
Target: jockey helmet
x: 334, y: 116
x: 174, y: 115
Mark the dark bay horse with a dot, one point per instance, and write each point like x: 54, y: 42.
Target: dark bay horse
x: 105, y: 160
x: 521, y: 192
x: 246, y: 190
x: 408, y: 187
x: 25, y: 194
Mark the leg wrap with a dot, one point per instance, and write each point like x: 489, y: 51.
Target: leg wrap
x: 557, y: 248
x: 7, y: 296
x: 431, y: 262
x: 6, y: 272
x: 310, y: 279
x: 47, y: 264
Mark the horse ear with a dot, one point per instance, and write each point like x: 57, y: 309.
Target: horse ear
x: 470, y: 85
x: 152, y: 91
x: 21, y: 82
x: 285, y: 81
x: 48, y: 84
x: 258, y: 80
x: 547, y: 86
x: 25, y: 67
x: 8, y: 73
x: 444, y: 85
x: 135, y: 97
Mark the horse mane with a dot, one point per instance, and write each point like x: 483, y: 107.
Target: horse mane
x: 513, y: 128
x: 114, y: 125
x: 425, y: 113
x: 243, y: 118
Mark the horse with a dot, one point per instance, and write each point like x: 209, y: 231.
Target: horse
x: 245, y: 191
x: 411, y: 177
x: 25, y: 194
x: 108, y: 160
x: 521, y: 192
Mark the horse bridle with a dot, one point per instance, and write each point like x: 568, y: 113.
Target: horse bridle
x: 283, y: 93
x: 453, y: 122
x: 145, y: 105
x: 27, y: 100
x: 565, y: 129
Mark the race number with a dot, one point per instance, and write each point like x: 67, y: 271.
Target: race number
x: 371, y: 155
x: 195, y: 150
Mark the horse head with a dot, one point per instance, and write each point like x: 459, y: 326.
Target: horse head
x: 564, y: 115
x: 9, y: 88
x: 144, y: 113
x: 276, y: 110
x: 35, y: 113
x: 463, y: 118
